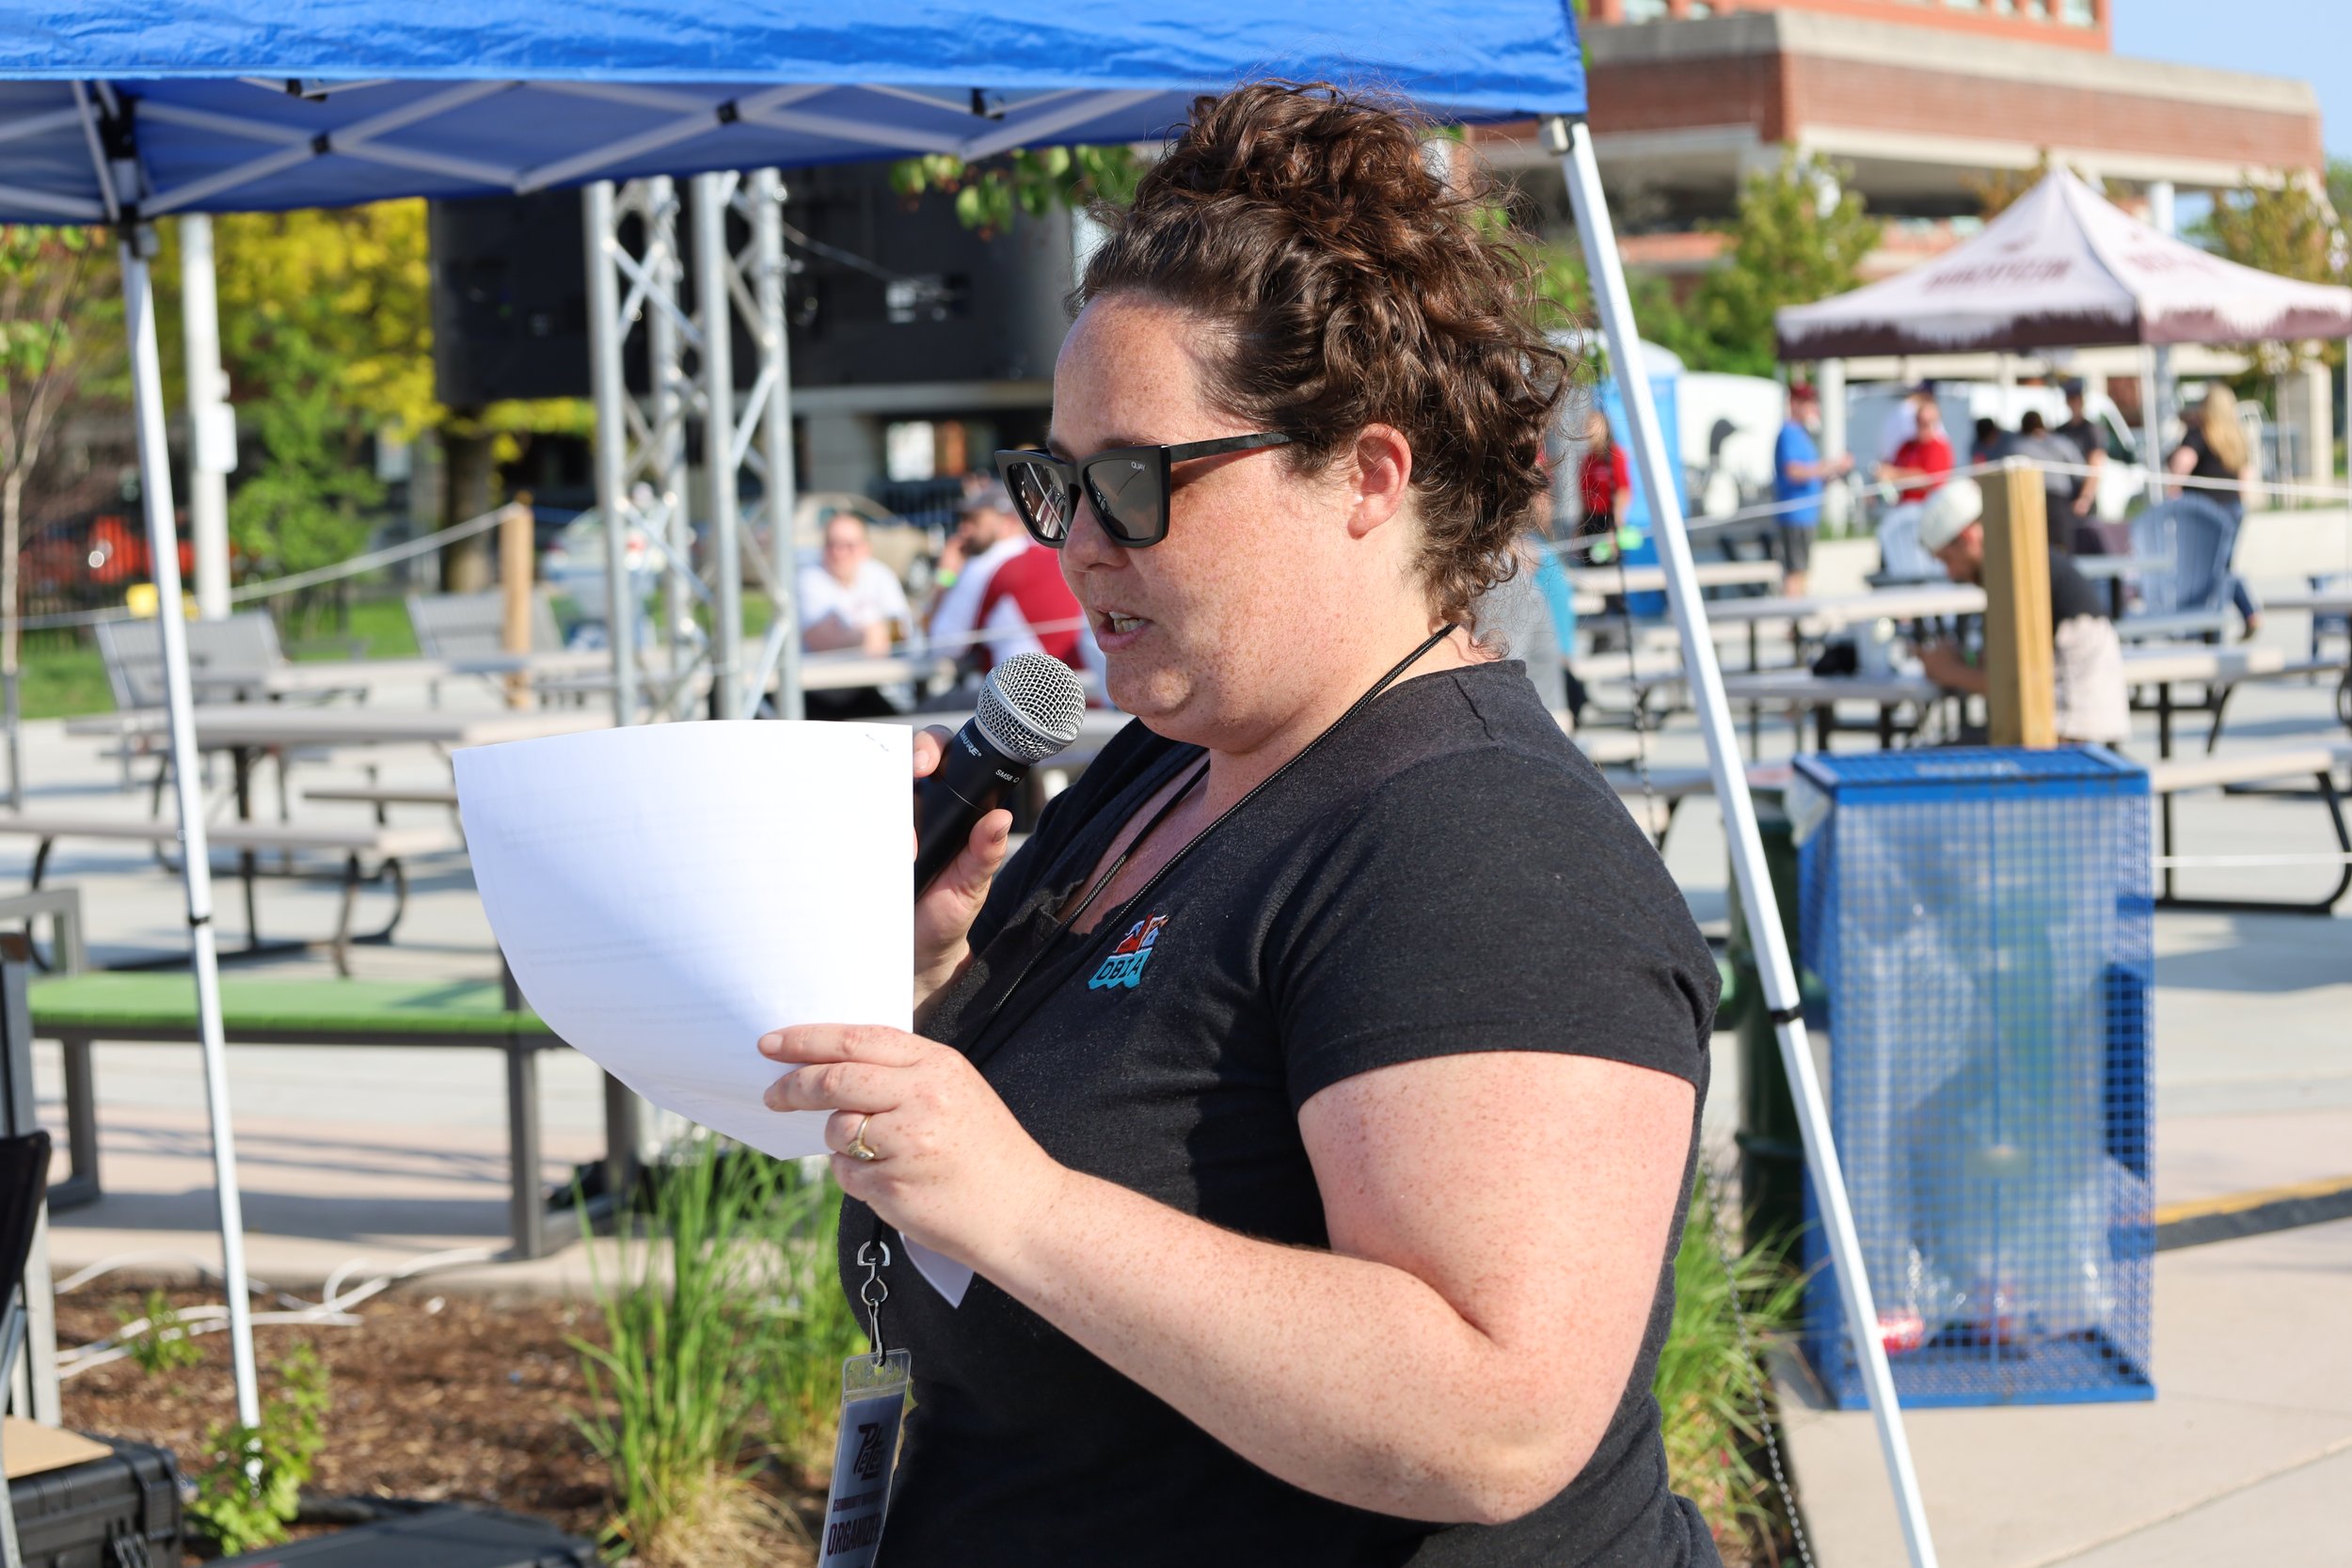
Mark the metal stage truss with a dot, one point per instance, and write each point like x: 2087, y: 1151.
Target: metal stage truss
x: 741, y: 489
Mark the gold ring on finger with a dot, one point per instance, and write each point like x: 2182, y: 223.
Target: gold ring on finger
x: 858, y: 1149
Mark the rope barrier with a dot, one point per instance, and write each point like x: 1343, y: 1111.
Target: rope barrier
x: 439, y: 540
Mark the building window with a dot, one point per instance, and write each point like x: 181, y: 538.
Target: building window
x: 2078, y: 13
x: 1645, y: 11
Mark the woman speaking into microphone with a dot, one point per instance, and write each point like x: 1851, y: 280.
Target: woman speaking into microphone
x: 1316, y: 1094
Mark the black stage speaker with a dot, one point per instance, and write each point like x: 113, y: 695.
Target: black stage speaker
x: 510, y: 299
x: 448, y: 1536
x: 883, y: 291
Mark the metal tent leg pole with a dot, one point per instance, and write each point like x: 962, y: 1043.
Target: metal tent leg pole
x: 605, y: 331
x: 211, y: 447
x: 776, y: 443
x: 162, y: 542
x: 1731, y: 790
x: 714, y: 310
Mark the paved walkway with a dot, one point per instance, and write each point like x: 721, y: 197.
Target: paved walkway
x: 2245, y: 1456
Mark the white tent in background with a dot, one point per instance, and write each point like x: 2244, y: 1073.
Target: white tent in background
x: 2064, y: 268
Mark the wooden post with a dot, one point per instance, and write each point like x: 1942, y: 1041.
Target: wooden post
x: 515, y: 572
x: 2021, y: 694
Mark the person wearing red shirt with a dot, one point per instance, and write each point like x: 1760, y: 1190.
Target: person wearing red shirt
x: 1027, y: 607
x: 1920, y: 463
x: 1604, y: 481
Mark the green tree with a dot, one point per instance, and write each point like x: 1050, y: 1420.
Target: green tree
x: 1799, y: 236
x: 2291, y: 230
x: 43, y: 278
x: 326, y: 334
x: 988, y: 193
x: 1566, y: 286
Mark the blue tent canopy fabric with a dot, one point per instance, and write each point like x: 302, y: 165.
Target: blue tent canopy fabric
x: 336, y: 101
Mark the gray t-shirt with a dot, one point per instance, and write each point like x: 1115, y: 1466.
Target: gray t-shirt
x: 2049, y: 447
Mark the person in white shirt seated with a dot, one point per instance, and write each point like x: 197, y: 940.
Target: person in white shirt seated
x: 988, y: 534
x: 850, y: 601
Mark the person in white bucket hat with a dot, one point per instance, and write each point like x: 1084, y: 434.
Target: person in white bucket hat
x: 2093, y: 704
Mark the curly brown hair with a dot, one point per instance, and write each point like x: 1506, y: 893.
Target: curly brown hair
x: 1354, y: 286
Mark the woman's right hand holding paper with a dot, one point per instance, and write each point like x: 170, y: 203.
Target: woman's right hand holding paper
x: 945, y: 911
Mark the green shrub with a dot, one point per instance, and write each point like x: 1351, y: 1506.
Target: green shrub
x: 811, y: 1326
x: 677, y: 1389
x: 1710, y: 1374
x: 160, y: 1342
x: 251, y: 1484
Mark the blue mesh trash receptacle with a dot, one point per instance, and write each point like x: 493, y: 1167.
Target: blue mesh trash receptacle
x: 1981, y: 922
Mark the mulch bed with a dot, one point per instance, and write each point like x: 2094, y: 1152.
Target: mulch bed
x: 434, y: 1399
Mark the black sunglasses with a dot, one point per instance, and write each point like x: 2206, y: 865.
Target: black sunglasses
x: 1128, y: 487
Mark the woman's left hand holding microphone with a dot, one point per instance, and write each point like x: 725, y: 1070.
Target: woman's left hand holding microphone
x: 950, y: 1167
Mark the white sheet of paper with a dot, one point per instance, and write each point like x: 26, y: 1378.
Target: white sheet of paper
x: 666, y: 894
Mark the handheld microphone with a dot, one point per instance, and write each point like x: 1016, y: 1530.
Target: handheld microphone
x: 1029, y: 709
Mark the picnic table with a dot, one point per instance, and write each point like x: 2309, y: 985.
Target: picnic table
x: 253, y: 727
x: 851, y: 672
x: 1593, y: 586
x: 2323, y: 602
x: 1652, y: 579
x: 2159, y: 668
x: 361, y: 675
x: 1805, y: 693
x: 249, y: 731
x: 578, y: 669
x: 1826, y: 612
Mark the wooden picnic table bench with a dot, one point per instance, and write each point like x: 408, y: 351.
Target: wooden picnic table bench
x: 82, y: 1010
x: 370, y: 853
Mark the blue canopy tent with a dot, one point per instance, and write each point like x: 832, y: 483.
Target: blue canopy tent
x: 121, y: 113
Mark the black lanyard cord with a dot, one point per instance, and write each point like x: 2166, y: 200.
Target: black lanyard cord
x: 1226, y: 814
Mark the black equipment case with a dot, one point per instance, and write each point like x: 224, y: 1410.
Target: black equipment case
x: 120, y: 1512
x: 432, y: 1538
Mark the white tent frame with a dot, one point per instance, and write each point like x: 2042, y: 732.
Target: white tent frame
x: 750, y: 283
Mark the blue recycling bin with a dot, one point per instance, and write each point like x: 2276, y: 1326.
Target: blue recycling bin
x: 1981, y: 920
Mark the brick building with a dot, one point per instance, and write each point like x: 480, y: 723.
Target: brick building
x: 1914, y: 96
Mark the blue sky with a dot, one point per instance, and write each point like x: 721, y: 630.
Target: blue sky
x: 2310, y: 39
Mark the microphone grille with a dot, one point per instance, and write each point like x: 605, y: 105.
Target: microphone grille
x: 1031, y: 705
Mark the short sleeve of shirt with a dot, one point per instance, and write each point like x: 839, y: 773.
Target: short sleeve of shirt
x: 1794, y: 446
x: 1495, y: 902
x: 883, y: 590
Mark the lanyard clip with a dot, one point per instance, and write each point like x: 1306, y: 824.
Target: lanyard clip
x: 873, y: 1293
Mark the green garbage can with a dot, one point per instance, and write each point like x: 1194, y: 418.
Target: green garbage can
x: 1771, y: 1143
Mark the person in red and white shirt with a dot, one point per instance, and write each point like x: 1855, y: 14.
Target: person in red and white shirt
x: 1027, y: 607
x: 1920, y: 463
x: 1604, y: 482
x: 988, y: 534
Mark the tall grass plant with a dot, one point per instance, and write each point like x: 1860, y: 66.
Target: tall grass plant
x: 724, y: 1331
x: 1729, y: 1308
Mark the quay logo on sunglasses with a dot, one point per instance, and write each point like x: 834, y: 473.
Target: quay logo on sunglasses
x: 1127, y: 487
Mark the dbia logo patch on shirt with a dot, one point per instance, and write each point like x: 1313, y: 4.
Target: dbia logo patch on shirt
x: 1124, y: 967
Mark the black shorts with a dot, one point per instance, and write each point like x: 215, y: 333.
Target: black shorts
x: 1796, y: 548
